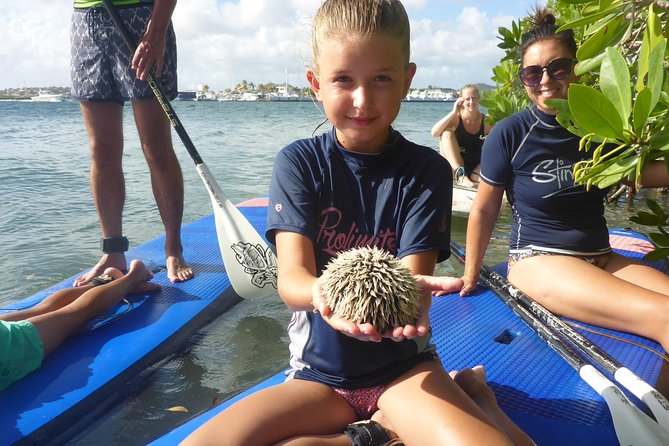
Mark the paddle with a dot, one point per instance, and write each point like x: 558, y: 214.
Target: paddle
x: 632, y: 426
x: 249, y: 262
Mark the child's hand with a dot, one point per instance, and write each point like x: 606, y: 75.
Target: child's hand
x: 362, y: 332
x: 411, y: 331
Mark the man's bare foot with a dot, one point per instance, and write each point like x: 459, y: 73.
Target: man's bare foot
x: 113, y: 260
x: 177, y: 269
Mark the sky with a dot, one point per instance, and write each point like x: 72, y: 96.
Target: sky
x: 221, y: 43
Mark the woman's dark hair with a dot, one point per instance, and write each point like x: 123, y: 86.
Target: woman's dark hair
x: 545, y: 29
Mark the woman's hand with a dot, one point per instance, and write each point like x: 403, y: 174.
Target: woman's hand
x: 470, y: 282
x: 439, y: 285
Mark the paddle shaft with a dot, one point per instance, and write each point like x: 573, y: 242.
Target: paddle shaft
x: 632, y: 426
x: 516, y: 298
x: 155, y: 85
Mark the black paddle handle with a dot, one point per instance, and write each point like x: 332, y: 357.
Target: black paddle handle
x: 155, y: 85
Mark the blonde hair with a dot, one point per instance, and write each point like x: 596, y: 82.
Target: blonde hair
x: 470, y: 86
x: 363, y: 18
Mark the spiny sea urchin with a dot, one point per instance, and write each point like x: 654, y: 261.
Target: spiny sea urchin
x: 369, y: 285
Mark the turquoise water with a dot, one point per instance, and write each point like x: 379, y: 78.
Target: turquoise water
x: 49, y: 232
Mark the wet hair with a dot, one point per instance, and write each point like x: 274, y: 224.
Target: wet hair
x: 470, y: 87
x: 545, y: 29
x: 336, y: 18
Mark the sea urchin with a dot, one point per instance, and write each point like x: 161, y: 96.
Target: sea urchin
x: 369, y: 285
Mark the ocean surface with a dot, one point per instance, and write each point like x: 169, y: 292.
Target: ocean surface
x: 49, y: 232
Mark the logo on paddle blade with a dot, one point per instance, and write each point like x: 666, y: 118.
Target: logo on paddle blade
x: 258, y: 262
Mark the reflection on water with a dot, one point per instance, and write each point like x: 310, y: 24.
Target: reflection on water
x: 49, y: 232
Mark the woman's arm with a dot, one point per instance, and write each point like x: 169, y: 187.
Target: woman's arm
x: 450, y: 121
x: 482, y: 217
x: 655, y: 174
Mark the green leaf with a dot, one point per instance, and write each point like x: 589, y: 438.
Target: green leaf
x: 657, y: 255
x: 591, y: 64
x: 575, y: 2
x: 657, y: 210
x: 594, y: 113
x: 660, y: 141
x: 659, y: 239
x: 642, y: 63
x: 645, y: 219
x: 606, y: 36
x: 656, y: 71
x: 642, y: 109
x: 587, y: 19
x: 614, y: 81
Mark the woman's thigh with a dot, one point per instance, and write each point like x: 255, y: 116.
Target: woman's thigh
x: 574, y: 288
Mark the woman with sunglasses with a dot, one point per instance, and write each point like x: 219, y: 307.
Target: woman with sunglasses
x: 559, y: 243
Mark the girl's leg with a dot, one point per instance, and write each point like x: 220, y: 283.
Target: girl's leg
x: 473, y: 382
x: 57, y: 300
x: 448, y: 416
x: 278, y: 415
x: 56, y: 326
x: 608, y: 298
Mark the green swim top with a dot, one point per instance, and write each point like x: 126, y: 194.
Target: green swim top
x: 90, y: 3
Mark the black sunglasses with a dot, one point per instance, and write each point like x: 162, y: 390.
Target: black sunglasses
x: 557, y: 69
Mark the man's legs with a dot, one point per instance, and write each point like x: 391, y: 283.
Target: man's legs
x: 104, y: 125
x: 166, y: 179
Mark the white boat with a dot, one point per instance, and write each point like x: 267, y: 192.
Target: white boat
x: 463, y: 197
x: 46, y: 96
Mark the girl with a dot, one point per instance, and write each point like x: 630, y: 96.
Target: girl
x: 559, y: 229
x: 461, y: 134
x: 360, y: 184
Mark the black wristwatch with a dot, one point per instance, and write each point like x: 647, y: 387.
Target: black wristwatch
x: 114, y: 244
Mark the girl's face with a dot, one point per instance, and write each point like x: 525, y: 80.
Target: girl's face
x: 541, y: 54
x: 361, y: 82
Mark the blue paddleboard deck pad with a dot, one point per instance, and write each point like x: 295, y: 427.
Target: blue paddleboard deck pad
x: 533, y: 385
x: 92, y: 371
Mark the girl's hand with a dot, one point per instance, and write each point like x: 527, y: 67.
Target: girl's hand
x: 419, y: 329
x: 361, y: 332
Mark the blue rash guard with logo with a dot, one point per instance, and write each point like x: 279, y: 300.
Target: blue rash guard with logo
x: 532, y: 156
x: 398, y: 200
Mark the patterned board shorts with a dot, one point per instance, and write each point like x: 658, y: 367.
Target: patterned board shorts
x: 100, y: 63
x: 599, y: 260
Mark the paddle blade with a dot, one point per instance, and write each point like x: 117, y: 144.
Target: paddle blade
x: 633, y: 427
x: 249, y: 261
x: 655, y: 401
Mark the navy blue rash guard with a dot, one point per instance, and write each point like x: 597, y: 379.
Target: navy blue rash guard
x: 532, y: 156
x: 398, y: 200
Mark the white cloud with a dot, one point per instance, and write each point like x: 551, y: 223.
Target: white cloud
x: 221, y: 43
